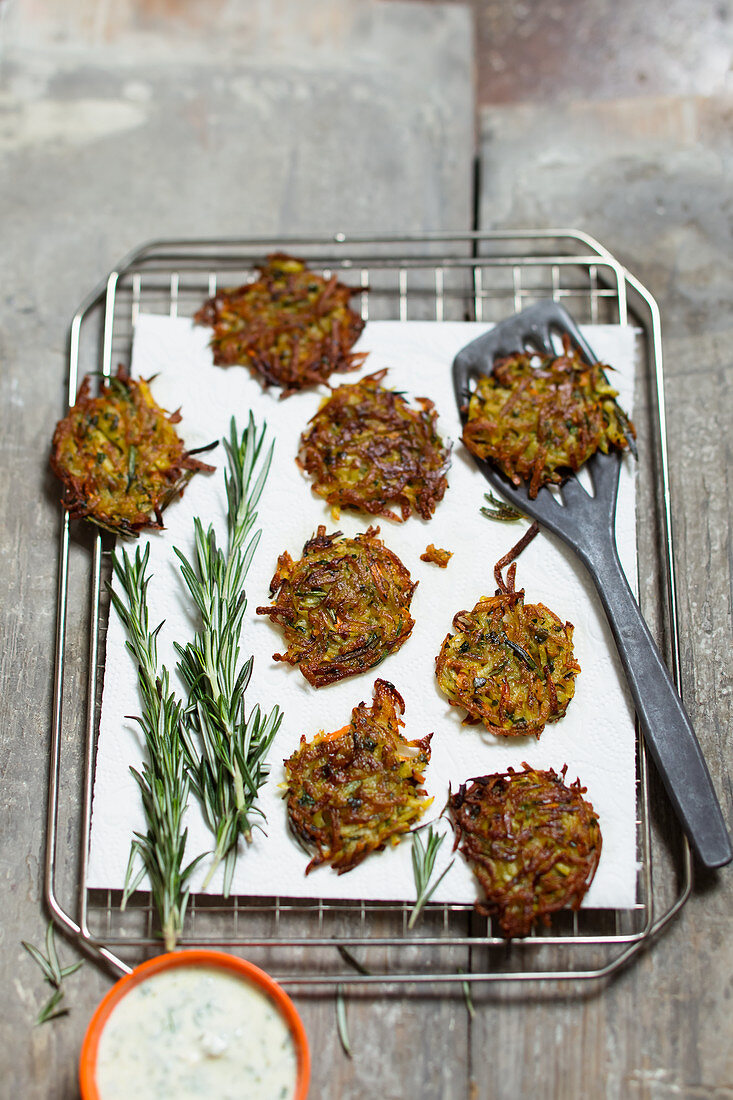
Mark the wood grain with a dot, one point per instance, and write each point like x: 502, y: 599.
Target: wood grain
x: 658, y: 199
x: 102, y: 150
x: 128, y: 122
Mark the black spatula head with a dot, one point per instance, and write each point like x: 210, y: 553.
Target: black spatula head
x: 541, y: 329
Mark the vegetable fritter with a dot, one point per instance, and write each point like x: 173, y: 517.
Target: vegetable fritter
x: 542, y: 422
x: 532, y: 842
x: 352, y: 791
x: 119, y: 456
x: 366, y: 448
x: 510, y: 665
x: 343, y: 607
x: 291, y: 327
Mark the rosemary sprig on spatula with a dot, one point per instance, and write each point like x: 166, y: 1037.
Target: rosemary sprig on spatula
x: 163, y: 781
x: 226, y: 758
x: 423, y: 862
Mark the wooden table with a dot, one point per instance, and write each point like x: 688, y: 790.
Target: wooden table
x: 135, y: 123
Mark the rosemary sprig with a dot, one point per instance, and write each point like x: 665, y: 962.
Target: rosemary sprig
x: 163, y: 782
x: 499, y: 509
x: 423, y: 862
x: 54, y: 974
x: 226, y: 747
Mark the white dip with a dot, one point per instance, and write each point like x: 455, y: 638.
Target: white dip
x: 196, y: 1032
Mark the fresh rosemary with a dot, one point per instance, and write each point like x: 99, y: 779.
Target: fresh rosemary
x: 163, y: 781
x: 499, y: 509
x: 341, y: 1021
x: 423, y: 862
x: 54, y: 974
x: 468, y: 998
x: 226, y: 747
x: 351, y: 960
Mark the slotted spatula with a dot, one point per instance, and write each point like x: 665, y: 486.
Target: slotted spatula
x: 587, y: 525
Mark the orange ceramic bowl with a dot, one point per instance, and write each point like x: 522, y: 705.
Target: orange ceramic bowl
x: 199, y: 958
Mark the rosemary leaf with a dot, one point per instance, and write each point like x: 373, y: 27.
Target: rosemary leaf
x: 163, y: 782
x: 465, y: 986
x: 37, y: 957
x: 226, y: 745
x: 423, y: 862
x: 131, y: 467
x: 521, y: 653
x: 72, y: 969
x: 50, y: 1010
x: 351, y: 960
x: 54, y: 974
x: 499, y: 509
x: 341, y: 1021
x: 53, y: 959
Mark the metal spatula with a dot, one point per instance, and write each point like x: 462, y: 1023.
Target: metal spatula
x: 587, y: 525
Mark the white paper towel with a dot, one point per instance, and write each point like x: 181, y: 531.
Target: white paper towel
x: 595, y: 739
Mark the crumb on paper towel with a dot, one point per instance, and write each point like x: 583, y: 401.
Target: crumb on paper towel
x: 437, y: 556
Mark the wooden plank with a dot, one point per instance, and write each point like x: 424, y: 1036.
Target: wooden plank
x: 647, y: 178
x: 123, y: 126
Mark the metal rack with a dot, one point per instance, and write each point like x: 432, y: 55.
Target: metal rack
x: 472, y: 276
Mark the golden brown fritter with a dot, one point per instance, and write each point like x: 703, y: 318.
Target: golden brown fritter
x: 343, y: 607
x: 510, y: 665
x: 542, y: 422
x: 532, y: 842
x: 291, y: 327
x: 119, y: 456
x: 366, y: 449
x: 352, y: 791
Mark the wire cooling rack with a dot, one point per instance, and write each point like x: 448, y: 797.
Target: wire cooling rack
x: 472, y: 277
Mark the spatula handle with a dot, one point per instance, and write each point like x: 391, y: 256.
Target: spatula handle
x: 667, y: 729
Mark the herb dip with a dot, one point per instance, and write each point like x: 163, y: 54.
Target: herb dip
x: 192, y: 1032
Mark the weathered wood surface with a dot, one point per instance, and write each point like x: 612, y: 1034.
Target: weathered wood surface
x: 131, y: 121
x: 651, y: 180
x: 128, y: 122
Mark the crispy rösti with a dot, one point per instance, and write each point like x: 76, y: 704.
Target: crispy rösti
x: 343, y: 607
x: 532, y: 841
x: 509, y: 664
x: 367, y: 449
x: 291, y: 327
x: 352, y: 791
x: 119, y: 456
x: 540, y: 422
